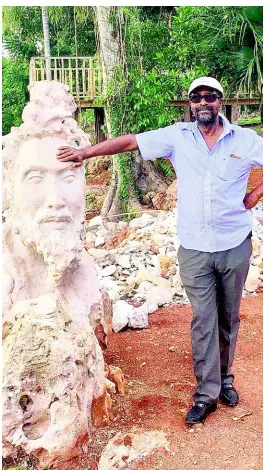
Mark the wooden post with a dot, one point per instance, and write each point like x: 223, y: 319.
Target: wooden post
x: 228, y: 112
x: 187, y: 114
x: 76, y: 114
x: 99, y: 122
x: 92, y: 91
x: 235, y: 113
x: 70, y: 75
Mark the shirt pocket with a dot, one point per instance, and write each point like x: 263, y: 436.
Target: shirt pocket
x: 228, y: 168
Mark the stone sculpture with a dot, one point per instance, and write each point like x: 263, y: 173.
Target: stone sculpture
x: 53, y: 368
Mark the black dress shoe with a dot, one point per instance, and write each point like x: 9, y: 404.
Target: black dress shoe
x: 228, y: 395
x: 199, y: 412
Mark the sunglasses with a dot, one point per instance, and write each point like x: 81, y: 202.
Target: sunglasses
x: 209, y: 98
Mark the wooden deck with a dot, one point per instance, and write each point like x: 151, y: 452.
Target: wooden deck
x: 81, y: 74
x: 84, y: 78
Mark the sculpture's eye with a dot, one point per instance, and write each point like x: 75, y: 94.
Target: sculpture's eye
x: 35, y: 178
x: 69, y: 177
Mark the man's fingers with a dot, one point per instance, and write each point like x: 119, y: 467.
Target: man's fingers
x: 65, y: 152
x: 66, y: 159
x: 76, y: 165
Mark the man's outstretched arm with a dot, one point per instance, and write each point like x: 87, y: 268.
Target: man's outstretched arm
x: 124, y: 143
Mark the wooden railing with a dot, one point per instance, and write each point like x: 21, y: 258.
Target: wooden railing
x: 81, y: 74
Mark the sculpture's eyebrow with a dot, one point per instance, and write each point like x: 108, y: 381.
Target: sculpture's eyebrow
x: 42, y: 169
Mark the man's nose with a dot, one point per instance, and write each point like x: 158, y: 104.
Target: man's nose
x: 203, y: 100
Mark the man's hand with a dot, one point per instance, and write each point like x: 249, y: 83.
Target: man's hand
x: 251, y: 199
x: 69, y: 154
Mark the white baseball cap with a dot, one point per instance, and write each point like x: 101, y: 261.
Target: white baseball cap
x: 206, y: 81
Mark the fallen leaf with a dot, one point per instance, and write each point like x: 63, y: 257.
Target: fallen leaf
x: 237, y: 418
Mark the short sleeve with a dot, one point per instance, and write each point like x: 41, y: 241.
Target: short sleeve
x: 256, y: 151
x: 157, y: 143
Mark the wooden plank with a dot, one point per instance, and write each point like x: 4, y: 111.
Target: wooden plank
x: 228, y: 101
x: 55, y: 70
x: 91, y: 94
x: 83, y: 78
x: 70, y: 76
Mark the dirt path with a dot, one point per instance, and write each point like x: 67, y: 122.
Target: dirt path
x: 159, y: 388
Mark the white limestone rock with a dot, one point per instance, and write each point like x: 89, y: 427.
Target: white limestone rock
x: 144, y: 287
x: 252, y: 281
x: 96, y: 223
x: 138, y: 317
x: 99, y: 241
x: 123, y: 451
x: 159, y: 295
x: 97, y: 253
x: 121, y: 312
x: 108, y: 270
x: 124, y: 261
x: 52, y: 370
x: 152, y: 307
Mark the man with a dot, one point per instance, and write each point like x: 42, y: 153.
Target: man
x: 212, y: 159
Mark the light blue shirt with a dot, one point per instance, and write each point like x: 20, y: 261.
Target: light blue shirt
x: 211, y: 184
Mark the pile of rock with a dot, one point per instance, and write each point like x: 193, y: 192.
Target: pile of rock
x: 137, y: 264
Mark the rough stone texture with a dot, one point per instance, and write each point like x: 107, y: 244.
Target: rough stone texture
x: 252, y: 281
x: 52, y: 370
x: 138, y: 317
x: 116, y: 376
x: 55, y: 314
x: 121, y: 312
x: 123, y: 451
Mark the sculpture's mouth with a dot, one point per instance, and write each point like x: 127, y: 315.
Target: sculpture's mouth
x: 60, y: 219
x: 55, y: 222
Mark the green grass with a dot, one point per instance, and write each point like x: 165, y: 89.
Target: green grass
x: 249, y: 121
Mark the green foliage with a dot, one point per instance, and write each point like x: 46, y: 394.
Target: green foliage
x: 14, y: 92
x: 15, y: 468
x: 90, y: 197
x: 165, y: 166
x: 127, y: 188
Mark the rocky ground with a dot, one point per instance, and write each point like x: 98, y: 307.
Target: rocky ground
x: 148, y: 430
x: 137, y: 264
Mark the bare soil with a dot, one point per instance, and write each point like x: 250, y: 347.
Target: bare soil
x: 160, y: 384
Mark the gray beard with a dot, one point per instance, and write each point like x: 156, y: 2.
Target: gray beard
x: 206, y: 120
x: 60, y: 249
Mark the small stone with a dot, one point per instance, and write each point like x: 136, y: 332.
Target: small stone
x: 124, y: 261
x: 138, y: 317
x: 172, y: 349
x: 108, y: 270
x: 252, y: 281
x: 164, y: 261
x: 121, y: 310
x: 97, y: 253
x: 99, y: 241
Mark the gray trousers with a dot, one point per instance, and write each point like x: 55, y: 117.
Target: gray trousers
x: 214, y: 284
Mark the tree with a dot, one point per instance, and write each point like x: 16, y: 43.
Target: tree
x: 126, y: 170
x: 14, y: 92
x: 46, y: 36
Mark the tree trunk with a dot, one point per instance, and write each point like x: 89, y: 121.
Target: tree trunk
x: 45, y: 25
x: 110, y: 50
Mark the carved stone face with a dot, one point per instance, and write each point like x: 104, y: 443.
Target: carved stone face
x: 48, y: 201
x: 46, y: 190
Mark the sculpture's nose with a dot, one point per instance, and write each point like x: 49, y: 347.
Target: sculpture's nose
x: 54, y: 197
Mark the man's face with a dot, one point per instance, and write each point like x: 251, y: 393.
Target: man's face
x: 48, y: 201
x: 205, y: 113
